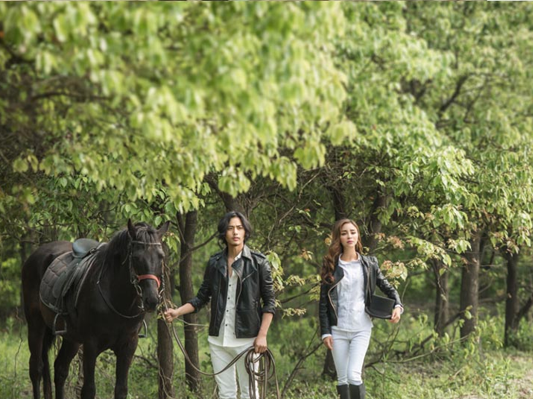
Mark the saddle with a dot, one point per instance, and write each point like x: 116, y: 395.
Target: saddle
x: 65, y: 276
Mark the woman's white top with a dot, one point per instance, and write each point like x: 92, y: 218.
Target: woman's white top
x: 351, y: 315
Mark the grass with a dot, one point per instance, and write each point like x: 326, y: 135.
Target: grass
x: 471, y: 371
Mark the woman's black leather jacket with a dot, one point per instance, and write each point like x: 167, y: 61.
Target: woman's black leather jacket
x: 255, y: 285
x: 329, y: 297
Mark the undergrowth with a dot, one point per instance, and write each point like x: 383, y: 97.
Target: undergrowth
x: 404, y: 361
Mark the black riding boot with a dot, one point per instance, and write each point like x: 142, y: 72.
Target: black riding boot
x: 343, y: 391
x: 357, y: 391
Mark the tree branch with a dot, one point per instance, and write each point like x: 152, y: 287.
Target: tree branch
x: 462, y: 80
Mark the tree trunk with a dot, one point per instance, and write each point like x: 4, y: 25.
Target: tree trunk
x: 231, y: 203
x: 339, y: 203
x: 470, y: 287
x: 188, y: 230
x: 374, y: 225
x: 441, y: 297
x: 165, y: 347
x: 511, y: 303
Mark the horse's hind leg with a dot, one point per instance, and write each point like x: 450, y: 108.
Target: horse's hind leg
x: 61, y: 366
x: 47, y: 381
x: 35, y: 342
x: 39, y: 340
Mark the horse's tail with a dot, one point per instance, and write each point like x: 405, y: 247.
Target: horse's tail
x: 48, y: 341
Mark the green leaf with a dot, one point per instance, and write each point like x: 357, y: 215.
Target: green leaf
x: 343, y: 132
x: 20, y: 165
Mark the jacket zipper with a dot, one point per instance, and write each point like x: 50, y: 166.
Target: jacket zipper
x: 329, y: 297
x: 216, y: 303
x: 237, y: 302
x: 240, y: 291
x: 238, y: 296
x: 367, y: 293
x: 241, y: 283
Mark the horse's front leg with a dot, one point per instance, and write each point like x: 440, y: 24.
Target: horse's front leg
x: 90, y: 353
x: 124, y: 353
x: 67, y: 352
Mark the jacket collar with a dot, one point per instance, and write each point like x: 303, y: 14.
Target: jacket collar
x: 222, y: 261
x: 338, y: 273
x: 246, y: 252
x: 364, y: 261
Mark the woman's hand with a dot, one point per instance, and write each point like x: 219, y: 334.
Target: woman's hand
x: 396, y: 315
x: 171, y: 314
x: 328, y: 341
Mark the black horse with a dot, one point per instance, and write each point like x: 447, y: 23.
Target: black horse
x: 120, y: 285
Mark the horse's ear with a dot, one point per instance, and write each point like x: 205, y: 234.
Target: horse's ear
x: 163, y: 229
x: 131, y: 230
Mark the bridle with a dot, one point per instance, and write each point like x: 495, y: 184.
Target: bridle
x: 135, y: 279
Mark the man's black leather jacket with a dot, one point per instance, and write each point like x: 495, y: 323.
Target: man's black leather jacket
x: 329, y: 297
x: 255, y: 284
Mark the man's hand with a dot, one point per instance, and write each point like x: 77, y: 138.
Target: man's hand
x: 171, y: 314
x: 260, y: 344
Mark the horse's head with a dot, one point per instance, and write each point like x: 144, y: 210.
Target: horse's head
x: 146, y: 261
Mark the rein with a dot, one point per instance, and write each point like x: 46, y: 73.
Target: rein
x: 134, y: 279
x: 266, y: 369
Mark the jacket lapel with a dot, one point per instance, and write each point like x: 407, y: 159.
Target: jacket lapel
x: 245, y: 266
x: 338, y: 273
x: 366, y: 275
x: 221, y: 264
x: 237, y: 267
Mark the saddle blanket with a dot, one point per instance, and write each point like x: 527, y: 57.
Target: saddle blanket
x: 66, y: 274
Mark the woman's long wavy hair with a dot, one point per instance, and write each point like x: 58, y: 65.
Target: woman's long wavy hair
x: 335, y: 250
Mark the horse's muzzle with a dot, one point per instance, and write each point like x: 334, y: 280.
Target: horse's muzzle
x: 150, y: 294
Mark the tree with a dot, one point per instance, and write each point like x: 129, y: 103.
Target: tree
x: 485, y: 115
x: 139, y: 105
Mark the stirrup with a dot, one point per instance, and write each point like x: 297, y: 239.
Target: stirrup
x: 145, y: 334
x: 54, y: 330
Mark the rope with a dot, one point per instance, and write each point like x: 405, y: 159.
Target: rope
x: 260, y: 367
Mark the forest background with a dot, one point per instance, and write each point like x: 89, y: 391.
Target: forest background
x: 413, y: 118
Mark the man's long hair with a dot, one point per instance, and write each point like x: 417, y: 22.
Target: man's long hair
x: 224, y: 223
x: 335, y: 250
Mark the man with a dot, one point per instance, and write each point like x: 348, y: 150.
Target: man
x: 236, y: 280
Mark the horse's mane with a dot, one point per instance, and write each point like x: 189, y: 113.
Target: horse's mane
x: 121, y: 239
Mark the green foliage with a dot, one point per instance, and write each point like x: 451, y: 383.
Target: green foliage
x: 170, y: 101
x: 9, y: 284
x: 414, y: 117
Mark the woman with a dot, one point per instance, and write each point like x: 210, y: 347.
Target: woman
x: 348, y: 282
